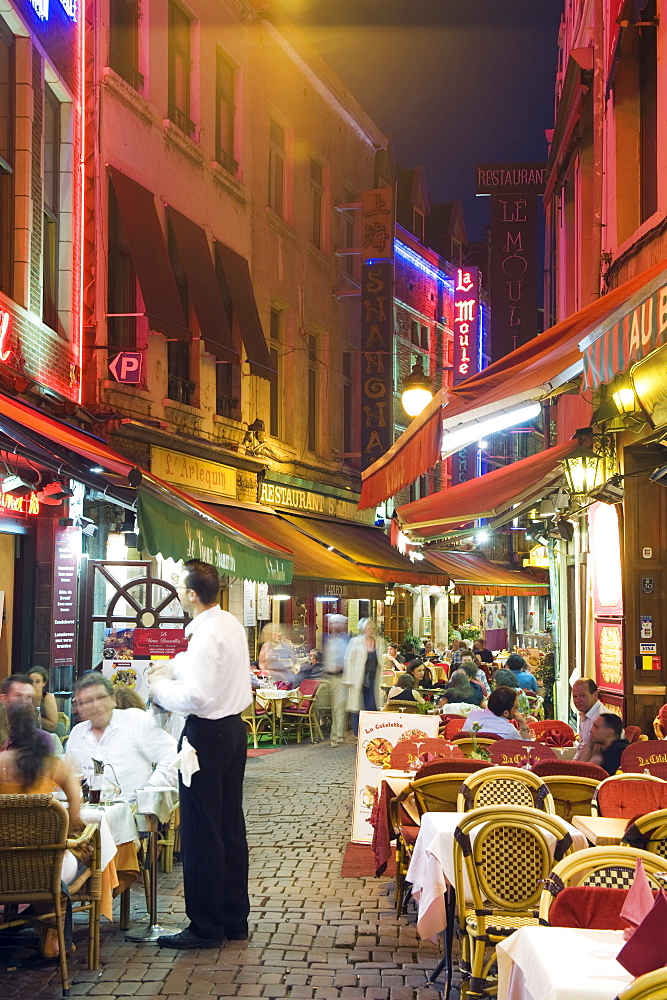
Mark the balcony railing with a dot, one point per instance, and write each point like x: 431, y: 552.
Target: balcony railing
x: 182, y: 121
x: 226, y: 406
x: 226, y: 161
x: 180, y: 390
x: 127, y: 70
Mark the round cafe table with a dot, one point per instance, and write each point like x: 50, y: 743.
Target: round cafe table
x: 154, y: 806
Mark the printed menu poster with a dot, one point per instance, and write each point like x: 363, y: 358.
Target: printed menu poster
x: 379, y: 732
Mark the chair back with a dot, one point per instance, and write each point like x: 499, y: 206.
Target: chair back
x: 33, y: 838
x: 504, y: 786
x: 487, y: 737
x: 518, y: 753
x: 437, y: 793
x: 510, y: 855
x: 632, y: 733
x: 646, y: 756
x: 597, y: 868
x: 463, y: 765
x: 628, y: 795
x: 407, y: 752
x: 65, y: 722
x: 454, y: 725
x: 572, y: 767
x: 396, y: 705
x: 649, y: 833
x: 651, y: 986
x: 309, y: 687
x: 572, y: 795
x: 544, y: 729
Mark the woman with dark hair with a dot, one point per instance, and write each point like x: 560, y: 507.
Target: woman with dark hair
x: 44, y: 701
x: 405, y: 689
x: 460, y: 689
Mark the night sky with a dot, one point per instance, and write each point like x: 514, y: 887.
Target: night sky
x: 454, y: 82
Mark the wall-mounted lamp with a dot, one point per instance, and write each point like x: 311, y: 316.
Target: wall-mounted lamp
x: 389, y: 597
x: 625, y: 399
x: 583, y: 466
x: 256, y: 433
x: 488, y: 598
x: 16, y: 486
x: 455, y: 598
x: 417, y: 391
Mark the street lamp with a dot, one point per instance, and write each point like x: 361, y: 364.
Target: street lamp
x: 583, y: 467
x: 417, y: 390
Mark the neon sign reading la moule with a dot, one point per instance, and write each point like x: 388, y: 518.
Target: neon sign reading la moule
x: 41, y: 8
x: 466, y: 309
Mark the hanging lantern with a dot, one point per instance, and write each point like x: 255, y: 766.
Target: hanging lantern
x: 583, y: 468
x: 417, y: 391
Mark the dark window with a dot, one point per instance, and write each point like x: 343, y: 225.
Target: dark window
x: 418, y: 224
x: 424, y: 338
x: 347, y: 401
x: 121, y: 283
x: 414, y: 332
x: 226, y: 390
x: 316, y: 199
x: 51, y: 206
x: 7, y: 113
x: 224, y: 114
x: 276, y: 167
x: 648, y: 114
x: 179, y: 384
x: 275, y: 322
x: 124, y: 41
x: 312, y: 394
x: 179, y: 69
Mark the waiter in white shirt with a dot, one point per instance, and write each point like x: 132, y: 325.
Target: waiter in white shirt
x: 587, y: 702
x: 210, y: 683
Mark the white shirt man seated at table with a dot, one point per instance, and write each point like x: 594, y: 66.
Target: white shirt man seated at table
x: 588, y: 705
x: 139, y: 753
x: 503, y: 705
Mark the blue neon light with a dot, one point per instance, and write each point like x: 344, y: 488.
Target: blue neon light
x: 41, y: 8
x: 401, y: 250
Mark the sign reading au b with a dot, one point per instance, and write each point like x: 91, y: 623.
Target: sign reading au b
x: 126, y: 367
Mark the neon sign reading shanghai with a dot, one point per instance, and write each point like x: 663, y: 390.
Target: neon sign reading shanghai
x: 41, y: 8
x: 466, y: 323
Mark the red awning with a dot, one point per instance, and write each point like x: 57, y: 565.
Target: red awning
x: 203, y: 286
x: 473, y: 574
x: 533, y: 372
x: 488, y: 495
x: 239, y: 282
x: 150, y: 256
x: 34, y: 422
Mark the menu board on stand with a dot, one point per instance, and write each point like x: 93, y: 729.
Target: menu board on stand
x: 379, y: 732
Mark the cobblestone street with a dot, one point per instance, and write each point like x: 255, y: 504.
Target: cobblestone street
x: 314, y: 934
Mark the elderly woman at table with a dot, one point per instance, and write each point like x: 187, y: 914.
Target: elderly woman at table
x: 137, y: 752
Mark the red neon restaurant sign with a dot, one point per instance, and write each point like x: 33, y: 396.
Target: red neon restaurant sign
x: 466, y: 323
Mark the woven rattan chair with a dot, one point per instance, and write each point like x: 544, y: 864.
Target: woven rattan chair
x: 652, y: 986
x: 572, y: 795
x: 468, y: 745
x: 601, y: 868
x: 629, y: 794
x: 396, y: 705
x: 504, y: 786
x: 510, y: 855
x: 303, y: 711
x: 649, y: 833
x: 33, y: 841
x: 259, y: 721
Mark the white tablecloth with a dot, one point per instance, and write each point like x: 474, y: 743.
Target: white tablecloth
x: 99, y: 815
x: 432, y: 868
x: 560, y: 963
x: 154, y: 801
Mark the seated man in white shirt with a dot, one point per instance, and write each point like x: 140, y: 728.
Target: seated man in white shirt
x: 588, y: 705
x: 139, y: 753
x: 503, y: 705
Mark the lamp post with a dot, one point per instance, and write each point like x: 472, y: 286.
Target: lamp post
x: 417, y: 391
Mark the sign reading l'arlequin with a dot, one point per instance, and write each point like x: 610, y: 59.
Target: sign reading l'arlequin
x: 193, y: 473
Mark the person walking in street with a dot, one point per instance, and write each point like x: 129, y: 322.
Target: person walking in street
x: 210, y: 682
x: 362, y: 675
x: 335, y: 647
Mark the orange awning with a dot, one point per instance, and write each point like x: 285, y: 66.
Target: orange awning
x: 473, y: 574
x: 487, y: 496
x: 535, y: 371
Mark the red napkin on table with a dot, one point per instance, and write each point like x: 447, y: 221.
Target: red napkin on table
x: 555, y: 739
x: 639, y: 901
x: 647, y: 948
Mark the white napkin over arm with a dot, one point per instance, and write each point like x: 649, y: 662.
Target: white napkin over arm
x: 186, y: 761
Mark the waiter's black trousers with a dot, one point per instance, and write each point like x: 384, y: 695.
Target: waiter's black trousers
x: 213, y: 837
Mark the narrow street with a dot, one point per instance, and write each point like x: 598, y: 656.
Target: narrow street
x: 314, y: 934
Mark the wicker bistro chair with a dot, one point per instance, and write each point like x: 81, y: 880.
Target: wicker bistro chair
x: 572, y: 795
x: 396, y: 705
x: 259, y: 722
x: 597, y: 868
x: 504, y: 865
x: 649, y: 833
x: 481, y: 741
x: 652, y: 986
x: 505, y: 786
x: 33, y: 841
x: 303, y: 711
